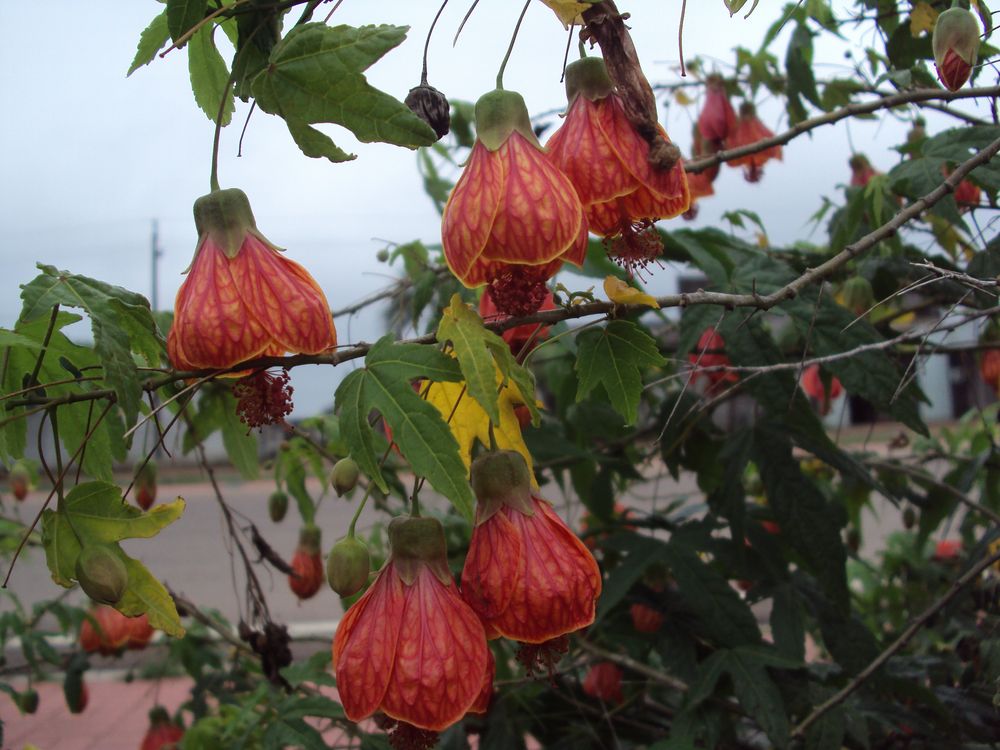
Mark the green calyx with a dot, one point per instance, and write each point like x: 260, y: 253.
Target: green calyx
x: 500, y: 113
x: 226, y: 217
x: 588, y: 77
x: 309, y: 539
x: 501, y: 478
x: 956, y: 29
x: 101, y: 574
x: 347, y: 566
x: 417, y: 541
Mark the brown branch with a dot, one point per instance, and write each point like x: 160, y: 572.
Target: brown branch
x: 863, y: 676
x: 191, y: 609
x: 851, y: 110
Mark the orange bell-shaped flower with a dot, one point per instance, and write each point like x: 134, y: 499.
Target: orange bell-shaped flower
x: 749, y: 129
x: 242, y: 298
x: 812, y: 384
x: 513, y: 217
x: 527, y: 576
x: 607, y: 161
x: 410, y: 647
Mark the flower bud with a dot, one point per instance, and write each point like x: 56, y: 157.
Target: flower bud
x: 101, y: 573
x: 145, y: 486
x: 347, y: 566
x: 956, y: 46
x: 344, y: 476
x: 277, y: 506
x: 857, y: 295
x: 431, y: 106
x: 28, y: 701
x: 20, y: 480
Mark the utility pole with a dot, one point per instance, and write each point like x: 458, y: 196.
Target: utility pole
x: 155, y: 259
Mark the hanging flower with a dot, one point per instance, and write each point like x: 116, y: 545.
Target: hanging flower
x: 749, y: 129
x: 956, y: 46
x: 607, y: 161
x: 604, y: 682
x: 710, y: 352
x: 861, y: 170
x: 307, y: 564
x: 812, y: 384
x: 645, y: 619
x: 967, y: 193
x: 989, y: 368
x: 513, y: 217
x: 700, y: 186
x: 410, y: 647
x: 242, y: 298
x: 527, y: 576
x: 518, y: 337
x: 717, y: 119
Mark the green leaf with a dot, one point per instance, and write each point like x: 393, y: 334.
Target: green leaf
x: 183, y: 14
x: 97, y: 514
x: 613, y: 357
x: 94, y: 513
x: 808, y: 521
x: 758, y: 695
x: 316, y: 144
x: 417, y: 427
x: 147, y: 595
x: 241, y: 445
x: 480, y: 352
x: 828, y: 732
x: 209, y: 76
x: 641, y: 552
x: 725, y: 616
x: 120, y: 320
x: 869, y: 374
x: 292, y: 732
x: 315, y: 75
x: 151, y: 41
x: 788, y: 623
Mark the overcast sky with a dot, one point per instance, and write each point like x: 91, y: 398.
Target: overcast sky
x: 89, y: 157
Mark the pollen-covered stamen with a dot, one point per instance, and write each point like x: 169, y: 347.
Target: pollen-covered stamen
x: 753, y: 172
x: 517, y: 290
x: 408, y: 737
x: 543, y: 657
x: 263, y: 398
x: 636, y: 246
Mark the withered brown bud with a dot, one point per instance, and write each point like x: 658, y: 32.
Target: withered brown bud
x: 431, y: 106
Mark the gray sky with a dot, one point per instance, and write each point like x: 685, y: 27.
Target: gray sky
x: 90, y: 157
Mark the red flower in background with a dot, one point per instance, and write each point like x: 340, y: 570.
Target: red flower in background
x: 307, y: 564
x: 717, y: 118
x: 861, y: 170
x: 608, y: 163
x: 410, y: 646
x: 527, y: 576
x: 513, y: 217
x: 107, y: 631
x: 163, y: 733
x: 518, y: 336
x: 989, y: 368
x: 710, y: 353
x: 604, y: 682
x: 645, y: 619
x: 748, y: 130
x: 947, y: 550
x: 812, y: 384
x: 242, y: 298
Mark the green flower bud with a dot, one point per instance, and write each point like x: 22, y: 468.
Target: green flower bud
x: 344, y: 476
x: 347, y: 566
x: 101, y: 573
x: 277, y: 506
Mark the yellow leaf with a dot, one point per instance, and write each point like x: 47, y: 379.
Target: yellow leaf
x: 621, y: 293
x: 470, y: 422
x: 922, y: 18
x: 681, y: 98
x: 568, y: 11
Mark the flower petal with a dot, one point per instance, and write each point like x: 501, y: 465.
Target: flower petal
x: 471, y: 210
x: 539, y: 216
x: 283, y: 297
x: 558, y: 592
x: 364, y: 646
x: 212, y: 326
x: 493, y: 566
x: 582, y: 151
x: 441, y: 658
